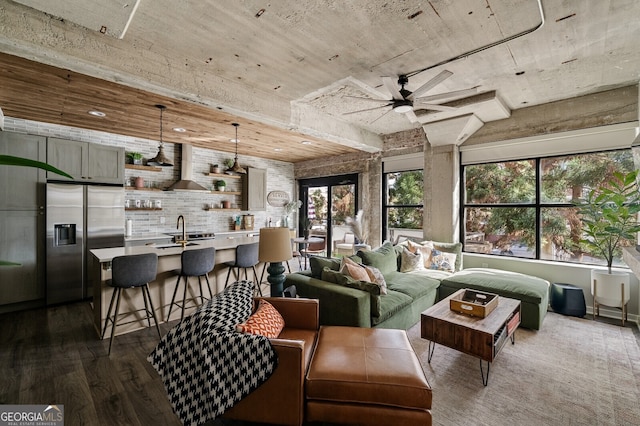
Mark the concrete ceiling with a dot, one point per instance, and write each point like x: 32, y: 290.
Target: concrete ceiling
x: 303, y: 66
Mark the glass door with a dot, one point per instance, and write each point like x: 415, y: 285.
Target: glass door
x: 326, y: 204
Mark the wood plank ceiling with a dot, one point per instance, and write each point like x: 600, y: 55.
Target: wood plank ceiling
x: 43, y: 93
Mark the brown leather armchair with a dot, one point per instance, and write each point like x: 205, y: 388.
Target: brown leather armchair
x: 281, y: 399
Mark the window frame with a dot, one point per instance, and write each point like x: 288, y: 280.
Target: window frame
x: 386, y: 206
x: 538, y: 204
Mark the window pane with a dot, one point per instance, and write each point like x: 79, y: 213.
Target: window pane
x: 508, y: 231
x: 561, y: 231
x: 566, y: 178
x: 405, y: 188
x: 404, y: 217
x: 500, y: 183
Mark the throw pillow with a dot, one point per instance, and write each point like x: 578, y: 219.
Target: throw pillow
x: 265, y: 321
x: 455, y: 248
x: 442, y: 261
x: 335, y: 277
x: 376, y: 277
x: 317, y: 263
x: 354, y: 270
x: 411, y: 261
x: 384, y: 258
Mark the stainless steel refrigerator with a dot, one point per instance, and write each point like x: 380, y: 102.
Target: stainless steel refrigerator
x: 79, y: 218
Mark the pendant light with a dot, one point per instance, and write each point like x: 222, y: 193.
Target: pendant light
x: 160, y: 159
x: 236, y: 167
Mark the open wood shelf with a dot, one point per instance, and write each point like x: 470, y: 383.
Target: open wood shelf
x: 222, y: 175
x: 142, y: 208
x: 142, y: 167
x: 227, y: 192
x: 223, y: 210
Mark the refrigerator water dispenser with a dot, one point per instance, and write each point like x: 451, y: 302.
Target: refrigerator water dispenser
x: 64, y: 234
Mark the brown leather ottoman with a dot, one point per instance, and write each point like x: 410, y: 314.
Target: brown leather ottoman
x: 366, y: 376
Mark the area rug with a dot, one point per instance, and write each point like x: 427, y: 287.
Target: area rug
x: 573, y: 371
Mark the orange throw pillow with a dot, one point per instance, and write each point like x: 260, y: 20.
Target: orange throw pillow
x: 265, y: 321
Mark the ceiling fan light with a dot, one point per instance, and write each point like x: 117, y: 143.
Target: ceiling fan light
x: 160, y: 159
x: 402, y: 109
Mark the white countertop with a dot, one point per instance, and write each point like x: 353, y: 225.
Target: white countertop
x: 220, y: 243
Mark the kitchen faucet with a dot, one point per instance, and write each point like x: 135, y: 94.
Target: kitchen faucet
x: 184, y: 231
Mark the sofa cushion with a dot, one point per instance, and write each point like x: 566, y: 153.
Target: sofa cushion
x: 509, y: 284
x: 388, y: 305
x: 384, y: 258
x: 375, y: 276
x: 413, y: 284
x: 337, y: 277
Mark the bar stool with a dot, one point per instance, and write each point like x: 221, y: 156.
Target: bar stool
x: 246, y: 257
x: 133, y: 271
x: 194, y: 263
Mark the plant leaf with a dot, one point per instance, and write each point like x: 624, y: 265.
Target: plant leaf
x: 10, y: 160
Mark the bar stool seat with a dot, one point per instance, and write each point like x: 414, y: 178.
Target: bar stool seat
x: 246, y: 257
x: 134, y: 271
x: 194, y: 263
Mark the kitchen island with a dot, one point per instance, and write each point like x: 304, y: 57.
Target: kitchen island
x: 162, y: 287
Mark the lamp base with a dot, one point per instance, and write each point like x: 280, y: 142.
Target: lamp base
x: 276, y: 278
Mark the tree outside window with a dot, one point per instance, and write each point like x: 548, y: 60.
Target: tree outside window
x: 525, y: 208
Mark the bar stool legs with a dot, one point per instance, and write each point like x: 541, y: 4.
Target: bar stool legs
x: 148, y: 308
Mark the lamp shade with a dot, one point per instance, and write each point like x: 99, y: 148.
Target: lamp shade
x: 275, y: 245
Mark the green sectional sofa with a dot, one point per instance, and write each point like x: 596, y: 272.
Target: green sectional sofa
x: 348, y: 302
x: 532, y: 292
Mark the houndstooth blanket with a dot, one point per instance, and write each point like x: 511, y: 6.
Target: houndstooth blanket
x: 205, y: 365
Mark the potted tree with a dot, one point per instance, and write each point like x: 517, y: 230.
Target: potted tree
x: 609, y: 215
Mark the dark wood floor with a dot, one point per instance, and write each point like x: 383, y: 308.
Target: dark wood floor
x: 54, y: 356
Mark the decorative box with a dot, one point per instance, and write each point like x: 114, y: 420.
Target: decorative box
x: 473, y: 302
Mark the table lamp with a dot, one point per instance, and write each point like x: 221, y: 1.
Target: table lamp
x: 275, y: 248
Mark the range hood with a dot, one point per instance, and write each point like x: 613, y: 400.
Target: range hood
x: 186, y: 182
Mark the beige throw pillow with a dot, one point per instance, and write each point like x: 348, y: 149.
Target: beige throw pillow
x: 376, y: 277
x: 354, y: 270
x: 411, y: 261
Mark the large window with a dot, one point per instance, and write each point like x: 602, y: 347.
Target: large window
x: 403, y: 203
x: 524, y: 208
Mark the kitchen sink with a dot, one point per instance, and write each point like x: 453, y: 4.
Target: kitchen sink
x: 173, y: 245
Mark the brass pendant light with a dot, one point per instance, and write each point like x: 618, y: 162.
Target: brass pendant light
x: 236, y: 166
x: 160, y: 159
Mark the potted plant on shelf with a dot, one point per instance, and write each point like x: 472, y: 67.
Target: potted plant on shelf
x: 609, y: 215
x: 306, y: 227
x: 221, y: 185
x: 228, y: 163
x: 135, y: 157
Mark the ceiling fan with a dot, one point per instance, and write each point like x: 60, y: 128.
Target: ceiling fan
x: 406, y: 102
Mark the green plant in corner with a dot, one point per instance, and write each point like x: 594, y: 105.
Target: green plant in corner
x: 10, y: 160
x: 609, y: 215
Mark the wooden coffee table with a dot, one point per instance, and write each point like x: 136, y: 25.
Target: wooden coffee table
x: 479, y: 337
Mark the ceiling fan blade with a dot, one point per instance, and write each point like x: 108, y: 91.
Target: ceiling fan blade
x: 411, y: 116
x: 448, y: 95
x: 436, y: 107
x: 431, y: 84
x: 392, y: 86
x: 368, y: 109
x: 381, y: 116
x: 380, y: 101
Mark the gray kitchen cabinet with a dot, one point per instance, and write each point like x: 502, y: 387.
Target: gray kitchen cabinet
x: 22, y: 223
x: 254, y: 187
x: 86, y: 162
